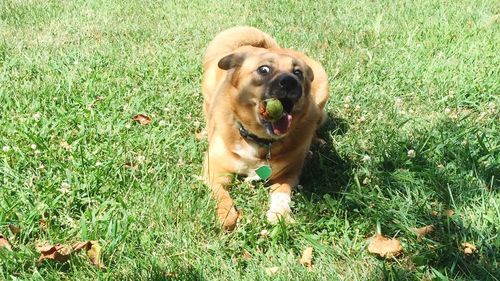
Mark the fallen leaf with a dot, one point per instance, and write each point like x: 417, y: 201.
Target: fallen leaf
x: 142, y: 119
x: 43, y: 224
x: 4, y: 243
x: 448, y: 213
x: 95, y: 255
x: 468, y: 248
x: 93, y: 251
x: 56, y: 252
x: 246, y: 255
x: 272, y: 270
x: 14, y: 229
x: 80, y: 245
x: 422, y: 231
x: 384, y: 247
x: 306, y: 259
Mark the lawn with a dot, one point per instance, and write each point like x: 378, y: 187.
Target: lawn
x: 412, y: 139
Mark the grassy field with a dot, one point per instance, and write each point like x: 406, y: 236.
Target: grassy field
x: 414, y: 131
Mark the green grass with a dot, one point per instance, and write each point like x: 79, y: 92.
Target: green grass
x: 411, y: 75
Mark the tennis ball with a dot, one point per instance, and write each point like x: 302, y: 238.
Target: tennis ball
x: 274, y: 109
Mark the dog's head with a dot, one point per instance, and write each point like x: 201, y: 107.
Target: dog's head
x: 256, y: 75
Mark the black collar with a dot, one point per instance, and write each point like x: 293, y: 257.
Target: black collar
x: 249, y: 136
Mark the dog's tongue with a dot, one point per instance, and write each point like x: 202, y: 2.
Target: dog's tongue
x: 281, y: 126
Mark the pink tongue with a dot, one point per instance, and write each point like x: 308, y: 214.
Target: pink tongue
x: 281, y: 126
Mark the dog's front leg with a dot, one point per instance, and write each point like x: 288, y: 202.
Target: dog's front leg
x: 226, y: 211
x: 219, y: 182
x: 281, y: 197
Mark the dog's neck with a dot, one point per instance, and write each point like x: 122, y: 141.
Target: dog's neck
x: 244, y: 133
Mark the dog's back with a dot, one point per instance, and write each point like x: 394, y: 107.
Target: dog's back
x: 233, y: 38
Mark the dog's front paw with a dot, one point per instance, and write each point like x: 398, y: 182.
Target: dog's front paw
x: 280, y: 208
x: 228, y: 218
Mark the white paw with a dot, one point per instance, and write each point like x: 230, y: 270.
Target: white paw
x: 280, y: 207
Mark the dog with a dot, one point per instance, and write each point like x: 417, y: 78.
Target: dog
x: 243, y: 68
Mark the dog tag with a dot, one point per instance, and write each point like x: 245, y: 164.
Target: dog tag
x: 264, y: 172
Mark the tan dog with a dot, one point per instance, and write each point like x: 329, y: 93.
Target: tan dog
x: 243, y: 68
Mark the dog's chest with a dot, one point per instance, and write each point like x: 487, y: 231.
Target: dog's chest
x: 249, y: 160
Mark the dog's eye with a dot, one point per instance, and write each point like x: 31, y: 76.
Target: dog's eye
x: 297, y: 72
x: 264, y: 69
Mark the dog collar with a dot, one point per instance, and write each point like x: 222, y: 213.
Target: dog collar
x: 264, y: 171
x: 249, y: 136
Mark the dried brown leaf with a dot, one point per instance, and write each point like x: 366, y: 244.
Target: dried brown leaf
x: 468, y: 248
x: 43, y: 224
x: 246, y: 255
x: 81, y: 245
x: 94, y: 254
x: 56, y: 252
x: 384, y: 247
x: 444, y: 213
x: 142, y: 119
x: 422, y: 231
x: 306, y: 259
x: 448, y: 213
x: 93, y: 250
x: 4, y: 243
x: 14, y: 229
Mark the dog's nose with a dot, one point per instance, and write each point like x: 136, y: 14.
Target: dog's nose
x: 285, y: 86
x: 288, y: 83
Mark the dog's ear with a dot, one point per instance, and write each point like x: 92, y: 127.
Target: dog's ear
x: 309, y: 73
x: 231, y: 61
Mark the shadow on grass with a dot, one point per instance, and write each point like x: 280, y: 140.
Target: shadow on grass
x: 326, y: 172
x: 454, y: 168
x: 457, y: 170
